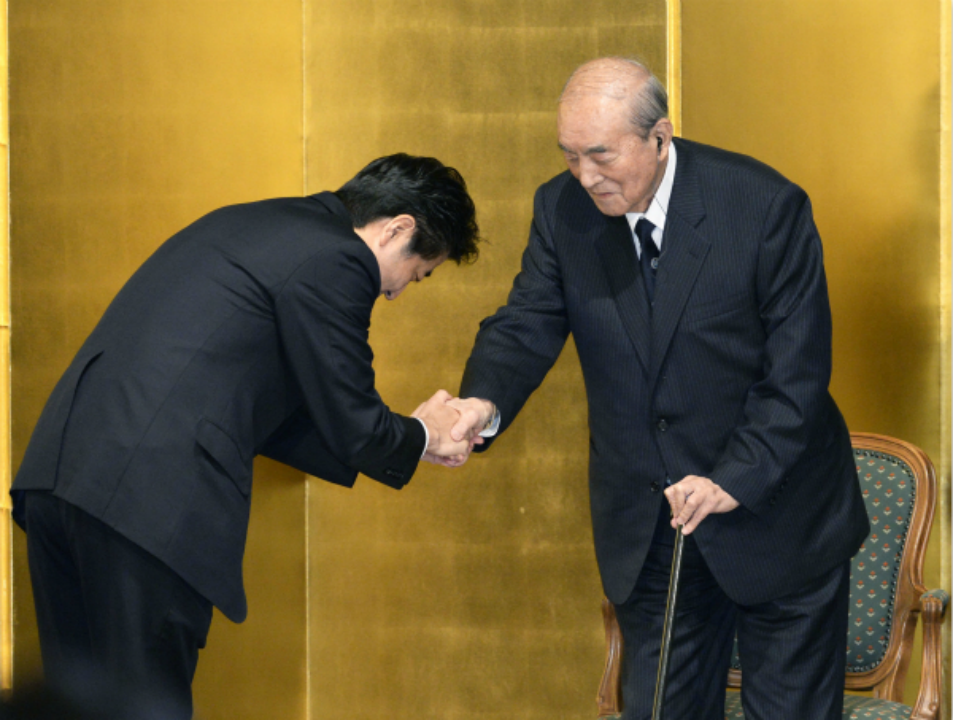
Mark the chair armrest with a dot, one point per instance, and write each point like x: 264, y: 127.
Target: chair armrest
x: 933, y: 606
x: 609, y: 698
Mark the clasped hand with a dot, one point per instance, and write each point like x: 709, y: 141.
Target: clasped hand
x: 454, y: 425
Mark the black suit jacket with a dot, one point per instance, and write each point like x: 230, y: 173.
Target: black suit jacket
x: 727, y: 378
x: 244, y: 334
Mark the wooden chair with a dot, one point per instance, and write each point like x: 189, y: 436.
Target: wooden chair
x: 887, y: 594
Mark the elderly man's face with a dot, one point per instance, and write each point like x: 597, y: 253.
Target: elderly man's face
x: 618, y: 169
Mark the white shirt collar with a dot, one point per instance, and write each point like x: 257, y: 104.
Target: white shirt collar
x: 658, y: 208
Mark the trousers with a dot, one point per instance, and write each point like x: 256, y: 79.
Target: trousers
x: 792, y: 649
x: 114, y: 621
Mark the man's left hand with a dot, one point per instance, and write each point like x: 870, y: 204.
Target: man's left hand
x: 693, y: 499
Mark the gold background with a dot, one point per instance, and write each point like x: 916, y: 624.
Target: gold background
x: 470, y: 593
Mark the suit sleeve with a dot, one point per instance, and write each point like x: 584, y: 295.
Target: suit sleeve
x: 323, y: 315
x: 297, y: 443
x: 517, y: 346
x: 786, y: 406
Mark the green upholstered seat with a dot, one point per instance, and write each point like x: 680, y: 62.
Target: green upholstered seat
x: 856, y: 707
x: 889, y: 489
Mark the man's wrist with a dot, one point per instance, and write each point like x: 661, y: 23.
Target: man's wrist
x: 490, y: 414
x: 426, y: 437
x: 492, y: 424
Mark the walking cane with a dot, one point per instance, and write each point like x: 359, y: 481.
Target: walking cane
x: 667, y: 627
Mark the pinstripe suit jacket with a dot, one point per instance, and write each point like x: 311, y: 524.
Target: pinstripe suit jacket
x: 727, y: 378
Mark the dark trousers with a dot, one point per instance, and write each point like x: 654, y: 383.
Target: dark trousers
x: 792, y: 649
x: 111, y: 616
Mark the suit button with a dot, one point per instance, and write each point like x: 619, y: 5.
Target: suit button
x: 655, y: 487
x: 773, y: 501
x: 662, y: 425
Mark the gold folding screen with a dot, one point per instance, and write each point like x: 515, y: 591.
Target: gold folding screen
x: 470, y: 593
x: 6, y: 521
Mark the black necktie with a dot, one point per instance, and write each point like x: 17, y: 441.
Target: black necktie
x: 649, y: 257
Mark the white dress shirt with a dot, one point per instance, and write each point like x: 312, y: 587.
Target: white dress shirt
x: 658, y: 208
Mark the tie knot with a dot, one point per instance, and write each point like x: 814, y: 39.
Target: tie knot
x: 643, y: 229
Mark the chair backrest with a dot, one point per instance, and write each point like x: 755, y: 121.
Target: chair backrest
x: 899, y: 487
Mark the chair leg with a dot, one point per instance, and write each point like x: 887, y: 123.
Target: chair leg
x: 609, y: 698
x: 933, y: 604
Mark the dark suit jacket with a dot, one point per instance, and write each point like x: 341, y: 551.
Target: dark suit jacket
x: 244, y: 334
x: 727, y: 378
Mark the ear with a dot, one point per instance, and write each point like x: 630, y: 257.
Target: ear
x: 398, y: 228
x: 661, y: 136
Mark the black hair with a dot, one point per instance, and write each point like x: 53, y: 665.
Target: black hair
x: 432, y: 193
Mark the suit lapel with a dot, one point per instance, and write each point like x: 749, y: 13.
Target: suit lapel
x: 617, y: 249
x: 684, y: 249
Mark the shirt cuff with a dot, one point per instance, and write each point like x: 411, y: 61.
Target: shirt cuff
x: 494, y: 427
x: 426, y: 437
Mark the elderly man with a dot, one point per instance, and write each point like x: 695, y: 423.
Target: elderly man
x: 245, y: 333
x: 693, y: 283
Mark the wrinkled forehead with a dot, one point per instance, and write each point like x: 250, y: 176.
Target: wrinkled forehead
x: 592, y: 116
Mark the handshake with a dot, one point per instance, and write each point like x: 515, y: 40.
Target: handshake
x: 454, y: 426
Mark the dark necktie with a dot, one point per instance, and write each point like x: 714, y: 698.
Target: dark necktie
x: 649, y: 257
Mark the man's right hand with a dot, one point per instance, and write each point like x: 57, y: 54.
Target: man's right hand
x: 475, y: 415
x: 439, y: 417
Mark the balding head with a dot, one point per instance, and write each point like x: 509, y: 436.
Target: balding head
x: 614, y: 134
x: 622, y: 80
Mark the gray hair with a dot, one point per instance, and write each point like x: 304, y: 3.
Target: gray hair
x: 646, y: 106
